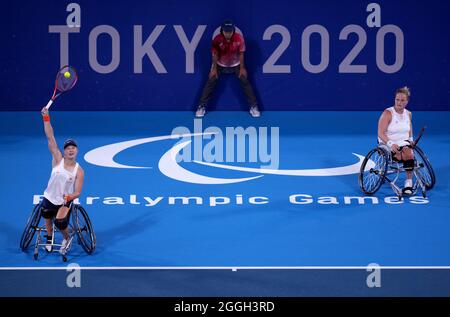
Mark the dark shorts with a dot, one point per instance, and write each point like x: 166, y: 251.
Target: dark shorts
x: 397, y: 160
x: 50, y: 210
x: 228, y: 70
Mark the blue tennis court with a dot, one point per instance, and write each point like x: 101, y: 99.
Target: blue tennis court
x: 150, y: 218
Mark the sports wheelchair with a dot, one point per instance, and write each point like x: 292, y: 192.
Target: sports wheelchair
x: 379, y: 166
x: 80, y: 227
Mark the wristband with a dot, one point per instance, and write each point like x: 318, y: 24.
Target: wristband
x: 46, y: 118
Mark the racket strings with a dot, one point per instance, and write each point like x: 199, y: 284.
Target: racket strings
x: 63, y: 82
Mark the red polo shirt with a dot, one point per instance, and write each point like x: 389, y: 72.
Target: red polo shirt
x: 228, y: 51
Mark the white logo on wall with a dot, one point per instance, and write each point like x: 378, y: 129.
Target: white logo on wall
x: 170, y: 167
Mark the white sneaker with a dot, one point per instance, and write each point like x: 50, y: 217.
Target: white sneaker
x: 200, y: 112
x: 65, y: 246
x: 254, y: 111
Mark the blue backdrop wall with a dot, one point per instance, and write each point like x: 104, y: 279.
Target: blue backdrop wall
x: 155, y: 55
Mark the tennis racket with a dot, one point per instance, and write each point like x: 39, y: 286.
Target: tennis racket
x: 419, y: 135
x: 412, y: 144
x: 66, y: 78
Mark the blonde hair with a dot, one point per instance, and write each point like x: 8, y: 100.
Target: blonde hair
x: 404, y: 90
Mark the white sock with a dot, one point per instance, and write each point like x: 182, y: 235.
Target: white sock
x: 408, y: 183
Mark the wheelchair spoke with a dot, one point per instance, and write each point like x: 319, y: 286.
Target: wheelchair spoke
x: 372, y: 171
x: 423, y: 169
x: 31, y: 227
x: 83, y: 229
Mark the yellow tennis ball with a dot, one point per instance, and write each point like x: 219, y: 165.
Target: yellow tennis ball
x: 67, y: 74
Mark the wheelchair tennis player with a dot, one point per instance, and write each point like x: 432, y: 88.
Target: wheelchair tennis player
x: 395, y: 132
x: 65, y: 185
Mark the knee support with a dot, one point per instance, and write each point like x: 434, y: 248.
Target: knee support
x: 62, y: 224
x: 47, y: 213
x: 408, y: 165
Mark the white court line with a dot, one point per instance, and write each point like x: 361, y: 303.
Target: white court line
x: 234, y: 268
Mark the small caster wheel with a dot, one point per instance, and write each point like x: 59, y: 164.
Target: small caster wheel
x: 35, y: 256
x: 64, y: 258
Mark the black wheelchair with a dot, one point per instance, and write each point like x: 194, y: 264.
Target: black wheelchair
x: 379, y: 166
x: 80, y: 227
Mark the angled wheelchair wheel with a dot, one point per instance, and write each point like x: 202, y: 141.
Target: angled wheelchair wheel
x: 83, y: 229
x: 424, y: 169
x: 30, y: 228
x: 373, y: 169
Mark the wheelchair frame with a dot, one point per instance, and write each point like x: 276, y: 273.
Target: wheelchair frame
x: 81, y: 227
x: 391, y: 167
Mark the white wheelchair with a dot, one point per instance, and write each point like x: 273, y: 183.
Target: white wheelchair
x: 379, y: 166
x: 79, y: 228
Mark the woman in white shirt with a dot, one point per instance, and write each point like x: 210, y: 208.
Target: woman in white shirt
x: 65, y: 184
x: 395, y: 130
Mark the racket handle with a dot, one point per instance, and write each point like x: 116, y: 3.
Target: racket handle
x: 49, y: 104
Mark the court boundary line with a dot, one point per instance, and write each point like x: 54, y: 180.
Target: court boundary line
x: 232, y: 268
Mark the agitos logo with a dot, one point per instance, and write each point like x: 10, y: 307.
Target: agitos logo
x: 241, y: 145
